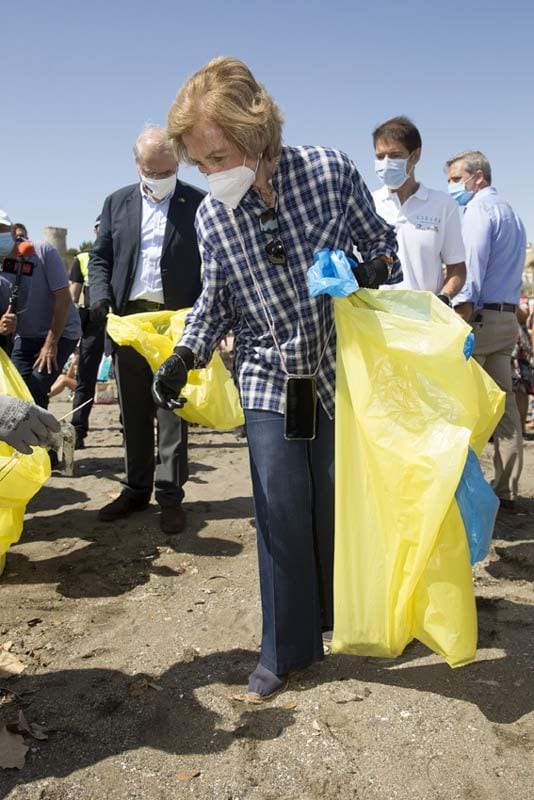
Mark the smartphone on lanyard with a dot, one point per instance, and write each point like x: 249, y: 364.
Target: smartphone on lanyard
x: 301, y: 408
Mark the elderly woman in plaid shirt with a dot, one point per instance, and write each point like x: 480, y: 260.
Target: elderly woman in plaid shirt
x: 270, y: 207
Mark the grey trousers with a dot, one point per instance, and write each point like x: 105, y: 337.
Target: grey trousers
x: 495, y: 337
x: 138, y: 412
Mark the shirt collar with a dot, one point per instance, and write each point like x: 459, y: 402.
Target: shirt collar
x: 483, y: 193
x: 252, y: 199
x: 421, y: 193
x: 385, y: 194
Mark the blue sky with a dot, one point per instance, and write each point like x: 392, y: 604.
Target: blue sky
x: 81, y: 80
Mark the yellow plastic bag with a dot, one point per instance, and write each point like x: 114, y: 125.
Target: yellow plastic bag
x: 408, y: 405
x: 212, y: 398
x: 21, y: 476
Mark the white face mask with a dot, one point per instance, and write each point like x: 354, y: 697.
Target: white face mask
x: 159, y: 188
x: 231, y: 185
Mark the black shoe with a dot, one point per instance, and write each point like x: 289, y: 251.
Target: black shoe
x: 54, y: 460
x: 79, y: 442
x: 172, y: 519
x: 124, y: 505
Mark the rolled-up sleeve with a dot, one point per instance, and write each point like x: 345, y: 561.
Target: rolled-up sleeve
x: 370, y: 233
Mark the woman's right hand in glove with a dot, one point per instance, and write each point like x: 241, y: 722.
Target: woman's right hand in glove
x: 171, y: 377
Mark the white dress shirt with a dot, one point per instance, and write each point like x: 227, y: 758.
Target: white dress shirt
x: 147, y: 283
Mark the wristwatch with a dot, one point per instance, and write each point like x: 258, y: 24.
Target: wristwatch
x: 445, y: 299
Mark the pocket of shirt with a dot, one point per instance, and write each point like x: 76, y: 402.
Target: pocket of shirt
x: 329, y: 233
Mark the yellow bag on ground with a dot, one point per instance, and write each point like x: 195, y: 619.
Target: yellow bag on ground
x: 408, y: 405
x: 21, y: 476
x: 212, y: 398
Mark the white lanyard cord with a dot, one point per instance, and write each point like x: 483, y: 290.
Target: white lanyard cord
x: 268, y: 314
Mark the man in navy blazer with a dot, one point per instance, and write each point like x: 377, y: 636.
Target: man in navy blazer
x: 145, y: 259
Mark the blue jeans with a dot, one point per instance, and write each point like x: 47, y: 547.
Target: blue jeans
x: 293, y: 490
x: 25, y: 351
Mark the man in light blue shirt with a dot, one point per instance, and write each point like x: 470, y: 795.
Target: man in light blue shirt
x: 495, y: 243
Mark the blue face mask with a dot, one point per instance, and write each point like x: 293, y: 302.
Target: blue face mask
x: 6, y: 243
x: 460, y: 193
x: 392, y: 171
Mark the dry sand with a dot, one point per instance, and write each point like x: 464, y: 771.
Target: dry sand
x: 134, y: 643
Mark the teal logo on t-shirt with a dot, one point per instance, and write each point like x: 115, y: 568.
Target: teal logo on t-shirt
x: 425, y: 222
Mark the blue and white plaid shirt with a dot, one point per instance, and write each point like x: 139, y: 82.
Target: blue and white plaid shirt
x: 322, y: 202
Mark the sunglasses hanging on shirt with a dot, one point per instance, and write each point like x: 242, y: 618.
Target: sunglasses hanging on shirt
x: 274, y: 249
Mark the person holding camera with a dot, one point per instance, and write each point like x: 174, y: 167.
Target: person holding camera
x: 47, y: 325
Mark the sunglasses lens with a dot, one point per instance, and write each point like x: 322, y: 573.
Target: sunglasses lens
x: 274, y: 249
x: 275, y: 252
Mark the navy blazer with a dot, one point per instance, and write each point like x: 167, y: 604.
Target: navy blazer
x: 116, y: 250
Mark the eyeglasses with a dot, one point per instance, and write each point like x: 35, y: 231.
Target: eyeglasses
x: 274, y: 249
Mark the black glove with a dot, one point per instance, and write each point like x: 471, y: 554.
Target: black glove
x: 371, y: 274
x: 445, y: 299
x: 171, y: 377
x: 99, y: 311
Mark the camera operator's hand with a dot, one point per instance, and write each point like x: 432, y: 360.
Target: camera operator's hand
x: 371, y: 274
x: 99, y: 311
x: 171, y: 377
x: 23, y: 424
x: 8, y: 322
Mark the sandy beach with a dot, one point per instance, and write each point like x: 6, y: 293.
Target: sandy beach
x: 134, y: 645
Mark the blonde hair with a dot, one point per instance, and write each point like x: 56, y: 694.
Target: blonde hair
x: 225, y: 93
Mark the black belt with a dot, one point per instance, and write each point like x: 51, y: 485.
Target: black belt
x: 500, y: 306
x: 142, y: 306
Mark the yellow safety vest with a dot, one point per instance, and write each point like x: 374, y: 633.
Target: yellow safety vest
x: 83, y: 260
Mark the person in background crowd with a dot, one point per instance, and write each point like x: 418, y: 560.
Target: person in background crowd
x: 522, y: 372
x: 91, y: 346
x: 270, y: 207
x: 8, y: 320
x: 427, y: 221
x: 67, y: 379
x: 495, y: 242
x: 47, y: 325
x: 146, y: 259
x: 20, y: 232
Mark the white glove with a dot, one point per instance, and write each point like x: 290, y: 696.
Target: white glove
x: 23, y: 424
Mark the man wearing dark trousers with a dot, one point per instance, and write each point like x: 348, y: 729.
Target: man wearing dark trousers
x: 146, y: 259
x: 91, y: 346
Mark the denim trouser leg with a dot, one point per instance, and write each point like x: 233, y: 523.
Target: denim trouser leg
x: 294, y: 503
x: 25, y: 351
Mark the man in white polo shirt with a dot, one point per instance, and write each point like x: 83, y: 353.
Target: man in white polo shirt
x: 426, y: 221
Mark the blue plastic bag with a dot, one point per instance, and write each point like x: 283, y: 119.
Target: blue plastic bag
x: 104, y: 369
x: 331, y: 274
x: 469, y: 346
x: 478, y: 505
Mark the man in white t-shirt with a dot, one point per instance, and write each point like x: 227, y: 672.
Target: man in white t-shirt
x: 427, y: 222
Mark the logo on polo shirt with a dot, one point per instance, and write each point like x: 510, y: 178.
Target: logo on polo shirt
x: 425, y: 222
